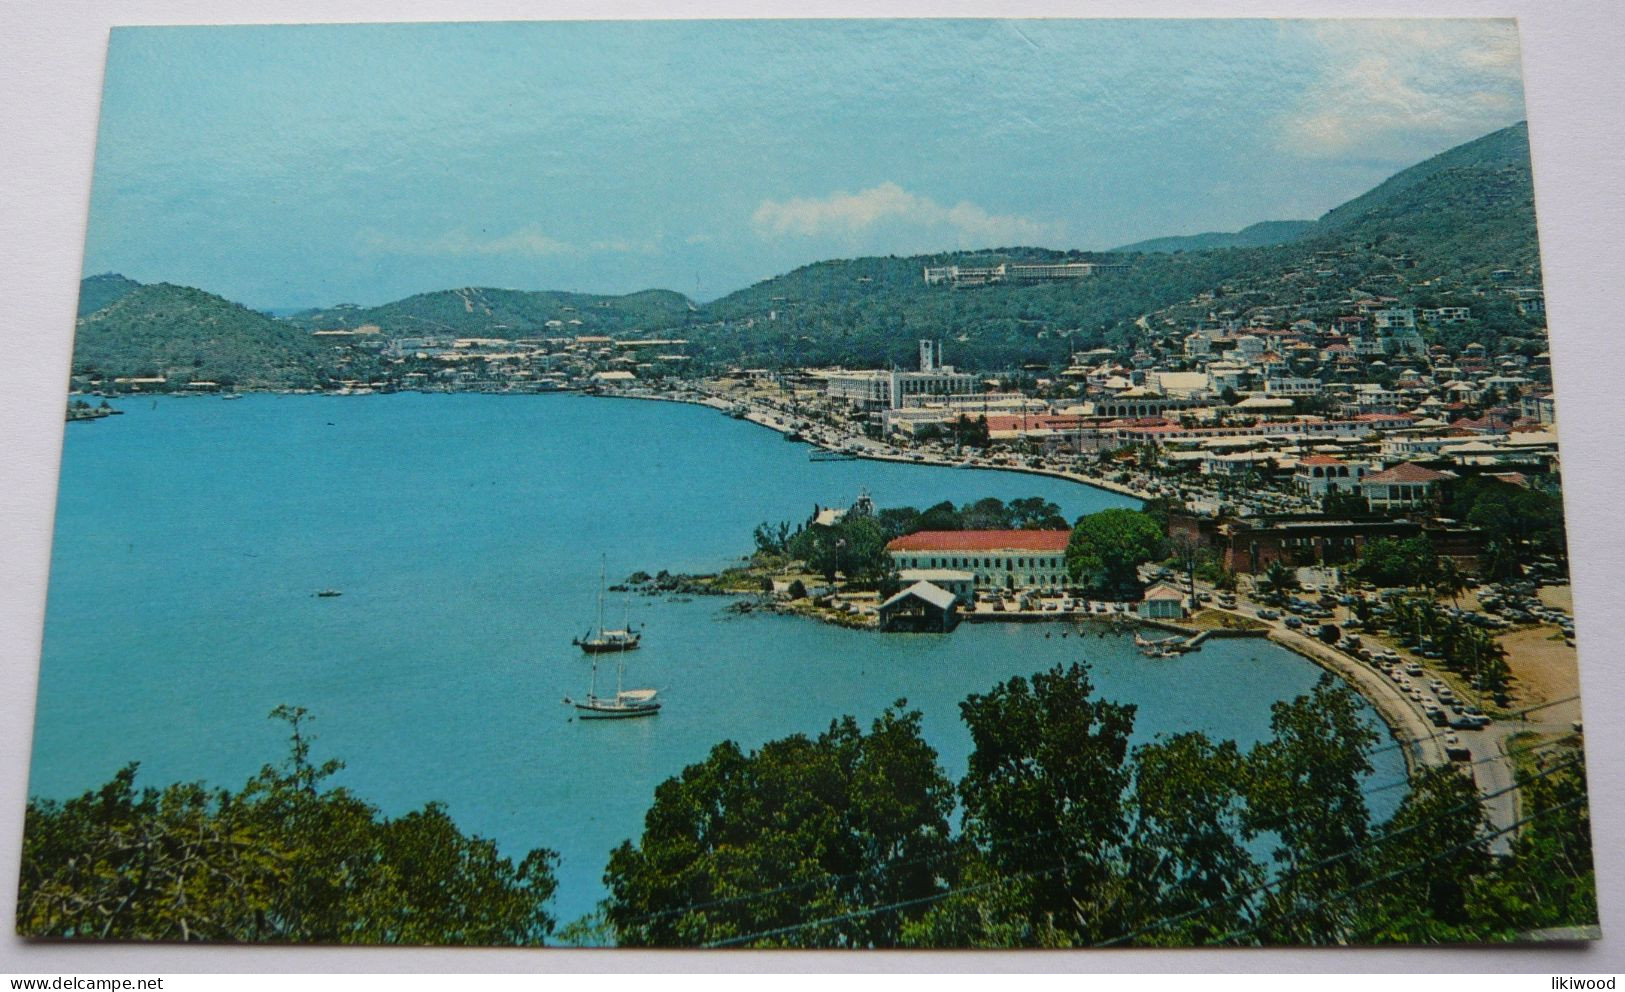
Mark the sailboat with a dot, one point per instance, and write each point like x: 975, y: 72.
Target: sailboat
x: 605, y: 641
x: 624, y: 704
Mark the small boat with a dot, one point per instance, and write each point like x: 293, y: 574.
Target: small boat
x: 326, y: 593
x: 607, y: 641
x: 625, y: 704
x: 826, y: 455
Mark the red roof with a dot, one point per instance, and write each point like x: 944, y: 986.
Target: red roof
x: 982, y: 540
x: 1406, y: 472
x: 1321, y: 460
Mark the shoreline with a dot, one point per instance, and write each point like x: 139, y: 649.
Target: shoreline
x: 759, y: 419
x: 1415, y: 739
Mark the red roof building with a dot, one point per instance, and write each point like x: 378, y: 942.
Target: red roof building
x: 982, y: 540
x: 999, y: 559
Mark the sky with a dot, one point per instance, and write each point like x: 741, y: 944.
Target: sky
x: 305, y: 165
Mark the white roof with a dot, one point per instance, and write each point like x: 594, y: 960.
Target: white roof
x: 935, y: 595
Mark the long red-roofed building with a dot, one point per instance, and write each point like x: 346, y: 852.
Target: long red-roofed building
x: 999, y: 559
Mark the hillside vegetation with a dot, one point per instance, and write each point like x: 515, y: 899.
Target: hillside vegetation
x: 1267, y: 232
x: 505, y: 313
x: 106, y: 289
x: 186, y: 335
x: 1429, y: 236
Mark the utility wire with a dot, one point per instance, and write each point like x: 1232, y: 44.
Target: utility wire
x: 1333, y: 859
x: 1404, y: 869
x: 833, y: 879
x: 938, y: 896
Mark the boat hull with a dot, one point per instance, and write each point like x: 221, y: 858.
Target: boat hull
x: 606, y: 647
x: 590, y: 711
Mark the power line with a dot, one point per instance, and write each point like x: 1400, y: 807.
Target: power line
x: 1340, y: 856
x: 880, y: 870
x: 1511, y: 752
x: 938, y: 896
x: 1404, y: 869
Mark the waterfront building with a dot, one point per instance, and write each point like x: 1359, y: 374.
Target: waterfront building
x: 922, y: 607
x: 997, y: 559
x: 1251, y: 544
x: 1162, y: 601
x: 961, y: 584
x: 879, y: 389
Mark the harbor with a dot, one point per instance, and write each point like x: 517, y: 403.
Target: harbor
x: 441, y: 669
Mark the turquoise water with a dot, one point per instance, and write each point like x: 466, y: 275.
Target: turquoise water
x: 465, y: 532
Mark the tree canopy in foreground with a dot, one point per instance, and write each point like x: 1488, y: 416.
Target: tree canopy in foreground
x: 285, y: 859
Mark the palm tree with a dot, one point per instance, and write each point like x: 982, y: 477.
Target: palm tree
x: 1278, y: 580
x: 1450, y: 580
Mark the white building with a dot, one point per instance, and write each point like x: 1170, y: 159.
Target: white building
x: 1292, y: 386
x: 1317, y: 475
x: 996, y: 559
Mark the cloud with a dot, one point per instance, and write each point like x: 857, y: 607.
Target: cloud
x: 1383, y: 87
x: 890, y: 206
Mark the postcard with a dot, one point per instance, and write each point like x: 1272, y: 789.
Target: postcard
x: 817, y: 484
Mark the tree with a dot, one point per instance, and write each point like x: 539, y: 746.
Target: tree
x: 1344, y: 504
x: 1440, y: 824
x: 1276, y: 581
x: 1450, y: 580
x: 1043, y: 811
x: 1107, y: 548
x: 1187, y: 862
x: 803, y: 830
x: 1304, y: 788
x: 285, y: 859
x: 1389, y: 562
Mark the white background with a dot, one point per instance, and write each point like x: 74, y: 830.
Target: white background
x: 51, y: 59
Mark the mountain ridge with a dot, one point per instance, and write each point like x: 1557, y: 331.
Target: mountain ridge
x: 1449, y: 220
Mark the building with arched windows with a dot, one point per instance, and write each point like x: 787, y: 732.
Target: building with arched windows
x: 996, y: 559
x: 1317, y: 475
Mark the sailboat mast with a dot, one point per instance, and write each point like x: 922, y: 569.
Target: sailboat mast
x: 603, y: 571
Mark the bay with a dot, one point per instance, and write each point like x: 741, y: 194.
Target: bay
x: 465, y: 532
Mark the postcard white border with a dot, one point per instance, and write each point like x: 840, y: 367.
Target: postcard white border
x: 51, y: 57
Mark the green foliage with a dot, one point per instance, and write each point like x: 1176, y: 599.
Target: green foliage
x: 1440, y: 825
x: 1261, y: 234
x: 1108, y: 547
x: 1043, y: 801
x: 1524, y: 523
x: 505, y: 313
x: 187, y: 334
x: 855, y: 548
x: 285, y: 859
x: 742, y: 844
x: 1303, y: 788
x: 1550, y: 880
x: 96, y: 292
x: 1389, y: 562
x: 1187, y: 859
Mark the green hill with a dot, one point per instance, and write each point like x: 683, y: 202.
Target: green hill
x: 186, y: 334
x: 505, y: 313
x: 1430, y: 235
x: 1268, y: 232
x: 96, y: 292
